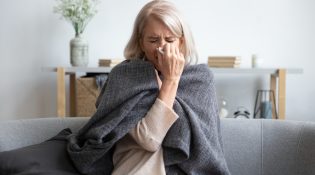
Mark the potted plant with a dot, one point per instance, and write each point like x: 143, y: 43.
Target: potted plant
x: 78, y: 13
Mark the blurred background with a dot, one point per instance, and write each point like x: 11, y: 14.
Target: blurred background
x: 281, y: 32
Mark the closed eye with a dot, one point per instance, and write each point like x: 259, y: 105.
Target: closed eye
x: 157, y: 39
x: 170, y: 39
x: 153, y: 40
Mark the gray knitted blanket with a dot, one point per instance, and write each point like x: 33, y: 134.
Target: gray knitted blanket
x: 192, y: 145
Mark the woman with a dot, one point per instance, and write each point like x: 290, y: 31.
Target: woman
x: 156, y: 114
x: 158, y: 38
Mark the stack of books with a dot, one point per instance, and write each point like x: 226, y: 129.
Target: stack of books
x: 109, y: 62
x: 224, y: 61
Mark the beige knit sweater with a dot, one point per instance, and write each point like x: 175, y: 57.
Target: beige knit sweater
x: 140, y: 151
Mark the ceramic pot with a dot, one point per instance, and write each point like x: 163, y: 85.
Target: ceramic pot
x: 79, y: 51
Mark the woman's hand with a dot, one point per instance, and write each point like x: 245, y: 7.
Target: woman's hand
x: 171, y: 63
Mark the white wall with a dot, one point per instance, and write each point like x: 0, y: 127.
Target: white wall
x: 280, y: 31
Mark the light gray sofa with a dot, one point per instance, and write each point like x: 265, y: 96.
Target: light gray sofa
x: 252, y: 147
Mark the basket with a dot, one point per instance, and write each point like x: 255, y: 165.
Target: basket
x: 85, y: 97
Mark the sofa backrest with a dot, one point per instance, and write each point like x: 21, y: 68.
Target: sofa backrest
x: 269, y: 147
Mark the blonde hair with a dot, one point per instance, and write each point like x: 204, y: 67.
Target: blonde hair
x: 170, y: 16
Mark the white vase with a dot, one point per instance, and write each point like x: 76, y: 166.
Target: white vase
x: 79, y: 51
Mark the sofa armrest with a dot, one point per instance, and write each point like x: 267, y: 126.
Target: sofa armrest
x: 19, y: 133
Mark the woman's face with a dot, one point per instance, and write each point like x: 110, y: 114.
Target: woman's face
x: 156, y: 35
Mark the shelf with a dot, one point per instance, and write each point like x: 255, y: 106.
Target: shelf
x: 277, y: 82
x: 79, y: 69
x: 270, y: 71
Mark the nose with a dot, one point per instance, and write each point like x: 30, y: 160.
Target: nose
x: 161, y: 43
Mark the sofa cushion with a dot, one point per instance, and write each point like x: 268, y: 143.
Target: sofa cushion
x: 49, y: 157
x: 24, y: 132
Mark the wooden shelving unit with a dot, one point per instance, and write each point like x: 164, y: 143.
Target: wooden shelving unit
x: 277, y: 82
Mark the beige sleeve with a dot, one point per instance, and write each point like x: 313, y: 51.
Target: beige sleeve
x: 151, y: 130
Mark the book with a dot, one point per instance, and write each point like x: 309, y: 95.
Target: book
x: 107, y: 65
x: 224, y: 59
x: 104, y: 62
x: 225, y: 65
x: 110, y: 60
